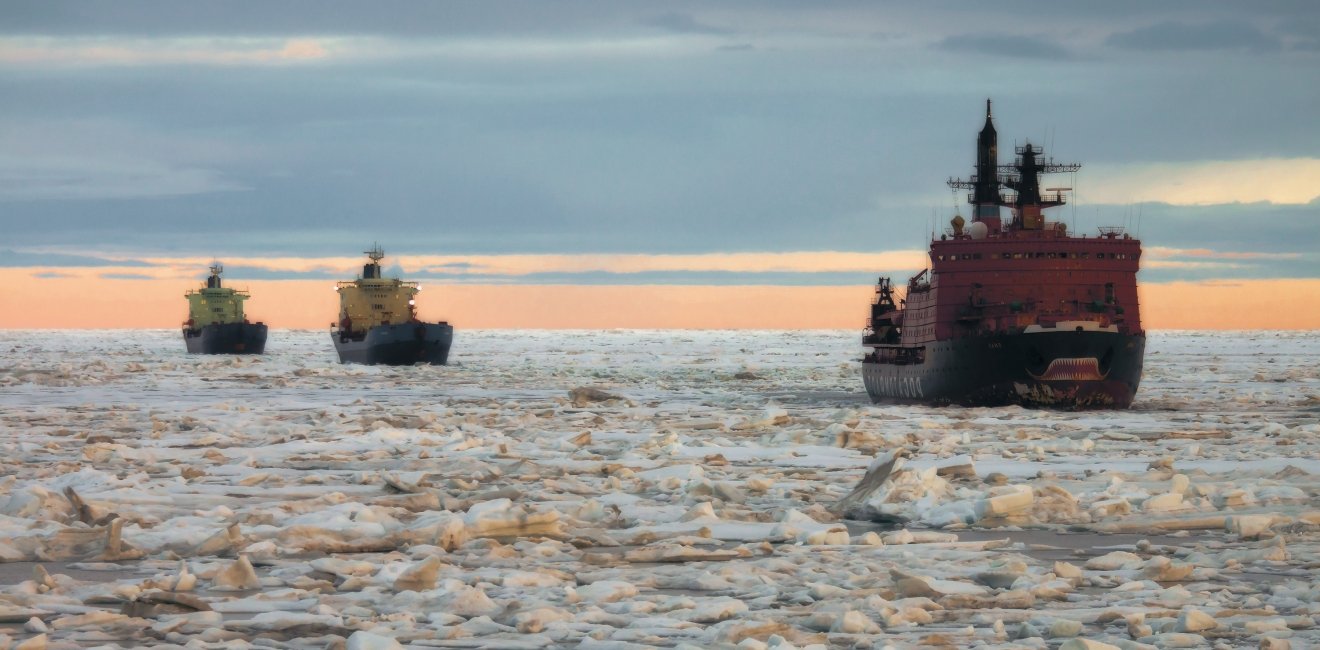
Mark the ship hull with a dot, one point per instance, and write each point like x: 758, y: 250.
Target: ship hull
x: 1068, y: 369
x: 226, y: 338
x: 397, y: 345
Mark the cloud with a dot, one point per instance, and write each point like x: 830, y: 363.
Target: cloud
x: 1018, y: 46
x: 1302, y: 33
x: 1236, y: 34
x: 49, y: 159
x: 238, y: 51
x: 395, y: 18
x: 115, y: 52
x: 1183, y: 264
x: 780, y: 268
x: 515, y: 265
x: 1167, y: 263
x: 108, y: 177
x: 13, y: 258
x: 793, y: 269
x: 1167, y: 252
x: 573, y: 128
x: 684, y: 24
x: 541, y: 49
x: 1273, y: 180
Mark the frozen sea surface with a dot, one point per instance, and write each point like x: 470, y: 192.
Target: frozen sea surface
x: 149, y: 497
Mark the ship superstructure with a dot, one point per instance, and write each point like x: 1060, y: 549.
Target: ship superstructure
x: 216, y: 323
x: 378, y: 321
x: 1021, y: 311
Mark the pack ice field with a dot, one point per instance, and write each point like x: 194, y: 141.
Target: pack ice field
x: 630, y: 489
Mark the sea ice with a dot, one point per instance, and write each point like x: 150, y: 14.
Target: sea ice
x: 711, y: 489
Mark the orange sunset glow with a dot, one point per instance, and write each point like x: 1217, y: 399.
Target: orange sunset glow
x: 86, y: 301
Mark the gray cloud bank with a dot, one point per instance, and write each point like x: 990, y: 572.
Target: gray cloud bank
x: 613, y: 127
x: 1219, y: 35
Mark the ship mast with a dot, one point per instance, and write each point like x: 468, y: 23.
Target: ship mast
x: 371, y: 271
x: 985, y: 194
x: 985, y: 184
x: 1022, y: 176
x: 376, y: 253
x: 213, y: 282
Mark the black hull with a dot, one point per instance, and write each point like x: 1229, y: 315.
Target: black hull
x: 397, y: 345
x: 226, y: 338
x: 1066, y: 369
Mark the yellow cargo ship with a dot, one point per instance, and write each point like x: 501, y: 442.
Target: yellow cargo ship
x: 378, y: 321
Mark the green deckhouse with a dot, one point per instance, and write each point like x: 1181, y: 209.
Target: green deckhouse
x: 215, y: 304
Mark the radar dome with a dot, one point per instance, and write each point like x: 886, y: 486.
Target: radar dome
x: 978, y: 230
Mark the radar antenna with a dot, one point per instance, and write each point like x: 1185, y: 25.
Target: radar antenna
x: 376, y: 253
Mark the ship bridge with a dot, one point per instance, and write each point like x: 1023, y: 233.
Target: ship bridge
x: 372, y: 300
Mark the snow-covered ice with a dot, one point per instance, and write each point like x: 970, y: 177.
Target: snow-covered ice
x: 645, y: 489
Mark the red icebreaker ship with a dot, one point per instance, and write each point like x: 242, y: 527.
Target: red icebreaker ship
x: 1012, y: 312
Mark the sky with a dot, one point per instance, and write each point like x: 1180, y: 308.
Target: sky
x: 729, y: 163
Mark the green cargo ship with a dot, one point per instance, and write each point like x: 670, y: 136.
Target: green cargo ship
x: 216, y: 323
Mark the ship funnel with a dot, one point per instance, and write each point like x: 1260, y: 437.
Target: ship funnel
x: 371, y: 271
